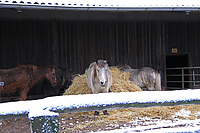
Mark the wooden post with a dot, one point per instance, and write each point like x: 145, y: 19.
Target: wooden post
x: 44, y: 121
x: 44, y: 124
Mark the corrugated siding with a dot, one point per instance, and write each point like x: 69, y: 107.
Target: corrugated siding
x: 25, y: 42
x: 73, y: 45
x: 130, y: 43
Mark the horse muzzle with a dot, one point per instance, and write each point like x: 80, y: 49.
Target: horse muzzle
x: 103, y: 84
x: 53, y: 84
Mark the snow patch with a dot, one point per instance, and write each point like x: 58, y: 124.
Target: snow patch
x: 37, y: 107
x: 183, y: 113
x: 38, y: 113
x: 162, y: 126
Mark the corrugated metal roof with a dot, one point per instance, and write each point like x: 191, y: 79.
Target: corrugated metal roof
x: 122, y: 5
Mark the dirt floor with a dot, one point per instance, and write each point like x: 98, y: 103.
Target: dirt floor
x: 18, y: 125
x: 117, y: 119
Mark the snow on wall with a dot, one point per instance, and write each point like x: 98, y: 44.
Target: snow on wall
x: 42, y: 106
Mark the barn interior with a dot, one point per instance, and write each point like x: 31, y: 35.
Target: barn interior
x: 72, y: 38
x: 177, y: 61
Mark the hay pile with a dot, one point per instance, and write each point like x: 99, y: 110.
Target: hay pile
x: 117, y: 118
x: 123, y: 118
x: 121, y: 83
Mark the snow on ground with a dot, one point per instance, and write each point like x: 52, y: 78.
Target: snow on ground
x: 150, y: 125
x: 183, y: 113
x: 159, y: 130
x: 41, y: 107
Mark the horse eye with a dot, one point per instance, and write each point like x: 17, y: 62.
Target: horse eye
x: 98, y: 69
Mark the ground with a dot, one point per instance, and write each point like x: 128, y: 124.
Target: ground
x: 117, y: 119
x: 18, y: 125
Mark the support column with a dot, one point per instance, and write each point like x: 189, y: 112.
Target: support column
x: 46, y: 122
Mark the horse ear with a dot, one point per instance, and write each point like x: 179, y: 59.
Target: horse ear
x: 96, y: 61
x: 94, y: 70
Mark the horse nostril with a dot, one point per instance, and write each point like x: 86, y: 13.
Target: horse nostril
x: 102, y: 84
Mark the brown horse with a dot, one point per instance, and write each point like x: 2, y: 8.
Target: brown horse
x: 99, y: 78
x: 24, y: 77
x: 144, y: 77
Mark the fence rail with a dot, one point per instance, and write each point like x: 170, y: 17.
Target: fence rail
x: 183, y: 77
x: 44, y: 113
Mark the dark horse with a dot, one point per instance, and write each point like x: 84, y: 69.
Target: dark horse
x: 24, y: 77
x: 63, y: 82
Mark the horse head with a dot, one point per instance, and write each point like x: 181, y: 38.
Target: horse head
x: 51, y: 76
x: 100, y: 72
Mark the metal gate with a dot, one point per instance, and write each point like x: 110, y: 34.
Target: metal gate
x: 183, y: 78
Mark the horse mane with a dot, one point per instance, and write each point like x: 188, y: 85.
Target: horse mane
x: 100, y: 63
x: 34, y: 69
x: 95, y: 70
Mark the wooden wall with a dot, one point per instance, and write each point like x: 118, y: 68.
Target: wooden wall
x: 74, y: 44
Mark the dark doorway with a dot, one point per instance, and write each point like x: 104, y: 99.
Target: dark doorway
x: 174, y: 76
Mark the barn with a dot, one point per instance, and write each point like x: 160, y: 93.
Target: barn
x: 72, y: 34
